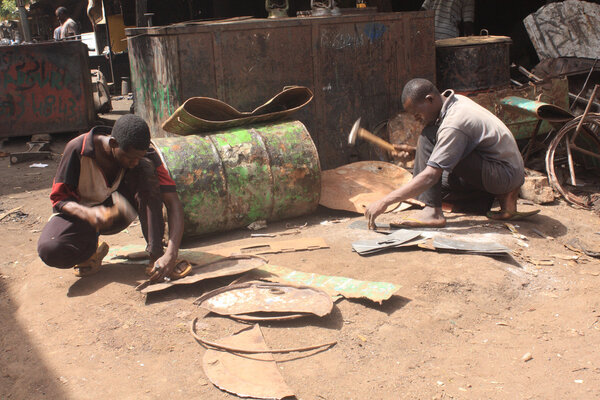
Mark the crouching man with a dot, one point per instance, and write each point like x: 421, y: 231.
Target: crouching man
x: 464, y: 141
x: 94, y: 166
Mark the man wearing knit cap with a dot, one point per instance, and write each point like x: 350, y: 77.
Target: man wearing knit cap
x: 94, y: 166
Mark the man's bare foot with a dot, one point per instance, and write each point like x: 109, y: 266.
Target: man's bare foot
x: 508, y: 205
x: 429, y: 217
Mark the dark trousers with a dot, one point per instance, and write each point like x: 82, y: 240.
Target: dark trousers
x: 464, y: 185
x: 67, y: 240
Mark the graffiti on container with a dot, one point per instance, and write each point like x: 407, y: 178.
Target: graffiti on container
x: 155, y: 91
x: 371, y: 33
x: 35, y: 88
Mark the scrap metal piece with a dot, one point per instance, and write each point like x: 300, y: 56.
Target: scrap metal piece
x: 233, y: 265
x: 474, y: 247
x: 260, y: 297
x: 399, y: 238
x: 565, y: 29
x: 284, y: 246
x: 204, y: 114
x: 335, y: 286
x: 540, y: 109
x: 354, y: 186
x: 247, y: 375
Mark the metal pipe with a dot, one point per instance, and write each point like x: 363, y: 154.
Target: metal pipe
x: 585, y: 113
x: 24, y: 21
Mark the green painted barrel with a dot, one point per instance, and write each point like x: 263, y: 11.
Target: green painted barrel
x: 232, y: 178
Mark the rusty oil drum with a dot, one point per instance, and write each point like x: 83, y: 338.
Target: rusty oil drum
x: 472, y: 63
x: 229, y: 179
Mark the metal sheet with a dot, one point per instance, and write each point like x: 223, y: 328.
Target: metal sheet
x: 471, y: 246
x: 204, y: 114
x: 522, y: 125
x: 246, y: 375
x: 334, y: 285
x: 355, y: 65
x: 399, y: 238
x: 224, y: 267
x: 45, y: 88
x: 472, y: 67
x: 354, y: 186
x: 569, y: 28
x: 539, y: 109
x: 266, y: 297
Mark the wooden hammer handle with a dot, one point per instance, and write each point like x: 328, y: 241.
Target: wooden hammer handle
x: 376, y: 140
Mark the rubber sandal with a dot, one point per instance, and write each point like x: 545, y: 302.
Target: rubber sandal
x: 181, y: 270
x: 415, y: 223
x: 516, y: 216
x: 93, y: 264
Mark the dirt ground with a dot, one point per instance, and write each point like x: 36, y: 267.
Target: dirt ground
x: 458, y: 327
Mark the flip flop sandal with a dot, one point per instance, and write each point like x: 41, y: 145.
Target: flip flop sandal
x: 93, y: 264
x: 415, y: 223
x: 516, y: 216
x: 181, y: 270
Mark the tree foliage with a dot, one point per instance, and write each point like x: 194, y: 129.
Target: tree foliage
x: 8, y: 9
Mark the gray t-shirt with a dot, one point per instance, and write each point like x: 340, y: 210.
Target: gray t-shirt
x: 465, y: 126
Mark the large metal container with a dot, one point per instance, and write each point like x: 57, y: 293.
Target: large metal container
x: 45, y: 88
x: 355, y: 65
x: 232, y: 178
x: 473, y: 63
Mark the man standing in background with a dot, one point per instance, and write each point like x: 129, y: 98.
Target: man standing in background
x: 448, y: 15
x: 68, y: 28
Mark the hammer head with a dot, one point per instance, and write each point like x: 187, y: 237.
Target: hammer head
x: 123, y: 206
x: 354, y: 133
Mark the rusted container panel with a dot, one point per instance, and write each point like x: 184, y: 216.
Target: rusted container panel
x: 45, y: 88
x: 473, y: 63
x: 232, y: 178
x: 355, y: 65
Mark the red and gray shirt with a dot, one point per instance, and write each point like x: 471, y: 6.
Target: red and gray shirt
x: 80, y: 179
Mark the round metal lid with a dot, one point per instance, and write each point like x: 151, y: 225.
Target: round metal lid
x: 472, y: 41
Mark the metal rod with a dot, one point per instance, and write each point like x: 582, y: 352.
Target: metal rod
x: 584, y: 83
x: 584, y: 151
x: 585, y: 113
x: 529, y: 74
x: 570, y: 158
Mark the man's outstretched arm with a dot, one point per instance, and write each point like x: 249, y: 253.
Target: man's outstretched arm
x: 417, y: 185
x: 167, y: 262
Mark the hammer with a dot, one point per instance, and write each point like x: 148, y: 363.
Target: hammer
x: 121, y: 207
x: 358, y: 131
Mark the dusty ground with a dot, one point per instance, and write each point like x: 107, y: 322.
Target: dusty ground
x: 457, y: 328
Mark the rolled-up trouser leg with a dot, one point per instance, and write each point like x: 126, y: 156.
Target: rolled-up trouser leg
x: 66, y: 241
x: 432, y: 196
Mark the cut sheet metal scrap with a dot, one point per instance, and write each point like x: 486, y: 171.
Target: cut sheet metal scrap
x: 333, y: 285
x: 273, y: 247
x: 228, y: 266
x: 396, y: 239
x: 484, y: 248
x: 254, y: 375
x: 260, y: 297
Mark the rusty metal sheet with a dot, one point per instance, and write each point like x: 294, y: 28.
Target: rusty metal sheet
x: 224, y: 267
x: 266, y: 297
x: 354, y: 186
x: 522, y: 126
x: 353, y: 64
x: 273, y: 247
x: 45, y: 88
x: 569, y: 28
x: 473, y: 63
x: 205, y: 114
x: 246, y: 375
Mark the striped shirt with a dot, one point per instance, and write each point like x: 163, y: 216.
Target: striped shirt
x: 448, y: 13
